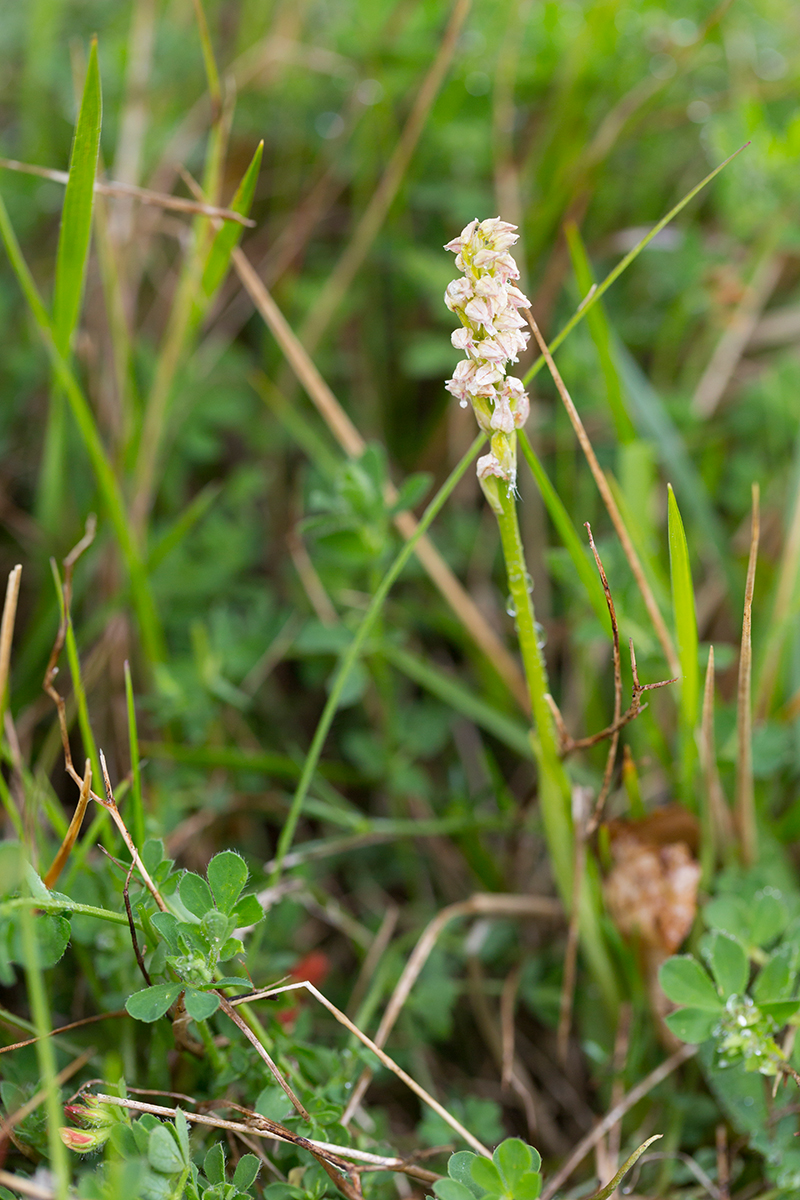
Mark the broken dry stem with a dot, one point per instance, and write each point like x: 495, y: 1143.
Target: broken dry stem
x: 745, y: 796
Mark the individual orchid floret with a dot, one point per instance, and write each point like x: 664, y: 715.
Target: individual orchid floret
x: 458, y: 294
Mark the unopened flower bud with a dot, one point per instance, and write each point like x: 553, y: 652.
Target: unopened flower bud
x: 83, y: 1141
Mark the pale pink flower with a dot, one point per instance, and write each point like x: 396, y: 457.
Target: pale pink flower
x: 463, y: 339
x: 458, y: 293
x: 491, y: 350
x: 499, y: 234
x: 458, y: 243
x: 516, y: 297
x: 489, y: 464
x: 514, y: 394
x: 459, y: 385
x: 480, y: 312
x: 486, y: 375
x: 502, y: 417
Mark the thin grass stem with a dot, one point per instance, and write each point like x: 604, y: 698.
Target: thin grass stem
x: 45, y: 1053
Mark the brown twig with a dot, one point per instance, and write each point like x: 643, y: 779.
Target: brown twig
x: 569, y: 745
x: 132, y: 927
x: 653, y: 610
x: 723, y: 1163
x: 612, y: 749
x: 616, y: 1114
x: 745, y: 799
x: 120, y: 1012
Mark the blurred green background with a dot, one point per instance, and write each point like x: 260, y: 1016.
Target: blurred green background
x: 262, y: 543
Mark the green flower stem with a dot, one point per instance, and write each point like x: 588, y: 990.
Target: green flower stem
x: 554, y: 784
x: 555, y: 793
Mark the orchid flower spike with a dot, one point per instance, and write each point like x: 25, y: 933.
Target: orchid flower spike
x: 492, y: 335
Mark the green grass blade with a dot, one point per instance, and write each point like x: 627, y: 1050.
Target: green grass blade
x: 209, y: 62
x: 76, y: 215
x: 45, y: 1052
x: 72, y: 256
x: 624, y: 263
x: 227, y: 237
x: 136, y: 807
x: 460, y: 698
x: 108, y: 486
x: 354, y: 650
x: 172, y: 537
x: 566, y: 530
x: 685, y: 633
x: 601, y: 335
x: 231, y: 758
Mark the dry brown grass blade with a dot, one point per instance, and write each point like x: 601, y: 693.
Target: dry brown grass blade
x: 384, y: 1058
x: 354, y: 445
x: 478, y: 905
x: 313, y: 586
x: 733, y: 343
x: 26, y: 1187
x: 120, y: 1012
x: 7, y: 630
x: 71, y: 835
x: 262, y: 1052
x: 586, y: 1144
x: 784, y: 591
x: 719, y: 813
x: 112, y: 188
x: 340, y: 279
x: 374, y: 955
x: 653, y: 610
x: 744, y: 809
